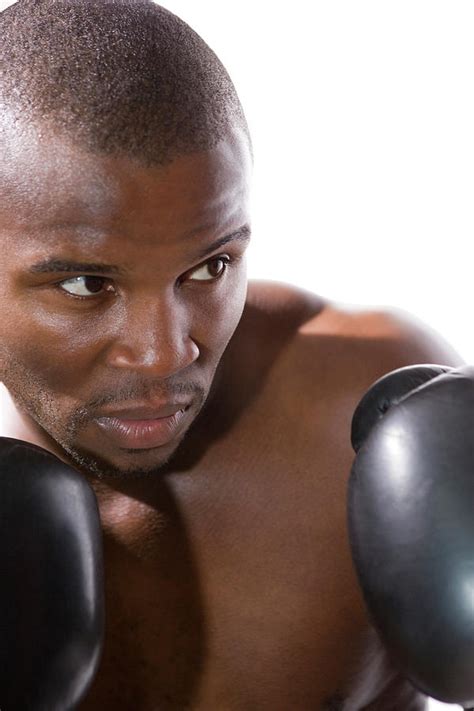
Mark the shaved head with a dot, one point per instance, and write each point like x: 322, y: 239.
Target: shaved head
x: 123, y: 148
x: 118, y: 77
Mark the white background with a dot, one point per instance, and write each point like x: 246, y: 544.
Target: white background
x: 362, y: 116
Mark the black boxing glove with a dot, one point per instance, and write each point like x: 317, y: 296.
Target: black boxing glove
x: 411, y: 522
x: 51, y: 587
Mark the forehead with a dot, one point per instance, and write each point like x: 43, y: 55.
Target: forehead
x: 47, y: 182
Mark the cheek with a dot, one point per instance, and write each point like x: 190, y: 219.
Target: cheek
x: 226, y: 311
x: 222, y: 321
x: 49, y: 354
x: 34, y: 368
x: 31, y: 326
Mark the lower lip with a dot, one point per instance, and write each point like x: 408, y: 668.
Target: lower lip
x: 141, y: 434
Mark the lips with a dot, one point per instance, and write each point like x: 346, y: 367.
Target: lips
x: 145, y: 433
x: 147, y: 411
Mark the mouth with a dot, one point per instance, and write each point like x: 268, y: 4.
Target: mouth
x: 144, y: 433
x: 151, y: 410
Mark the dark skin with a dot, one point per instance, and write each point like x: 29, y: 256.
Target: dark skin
x: 229, y: 583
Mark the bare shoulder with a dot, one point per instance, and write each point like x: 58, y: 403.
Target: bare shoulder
x: 365, y: 341
x: 381, y: 339
x: 404, y: 332
x: 278, y: 299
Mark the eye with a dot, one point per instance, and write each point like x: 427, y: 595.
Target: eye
x: 210, y: 267
x: 93, y: 284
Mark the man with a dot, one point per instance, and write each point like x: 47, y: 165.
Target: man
x: 211, y: 415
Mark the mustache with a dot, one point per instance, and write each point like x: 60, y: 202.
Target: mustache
x: 121, y: 395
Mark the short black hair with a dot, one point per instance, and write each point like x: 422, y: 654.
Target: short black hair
x: 123, y: 77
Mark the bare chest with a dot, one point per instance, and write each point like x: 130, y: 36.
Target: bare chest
x: 240, y: 593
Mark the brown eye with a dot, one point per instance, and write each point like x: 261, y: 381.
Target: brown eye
x: 214, y: 267
x: 80, y: 284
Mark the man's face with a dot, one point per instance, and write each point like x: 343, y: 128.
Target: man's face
x: 152, y: 325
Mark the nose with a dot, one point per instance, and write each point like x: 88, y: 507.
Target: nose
x: 153, y: 338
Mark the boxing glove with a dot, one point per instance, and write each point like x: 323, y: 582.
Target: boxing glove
x: 51, y: 585
x: 411, y: 522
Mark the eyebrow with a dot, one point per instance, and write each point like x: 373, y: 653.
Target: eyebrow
x: 55, y: 264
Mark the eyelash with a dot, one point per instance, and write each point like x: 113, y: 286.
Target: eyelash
x: 227, y: 259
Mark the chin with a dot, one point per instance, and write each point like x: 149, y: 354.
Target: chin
x: 126, y: 464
